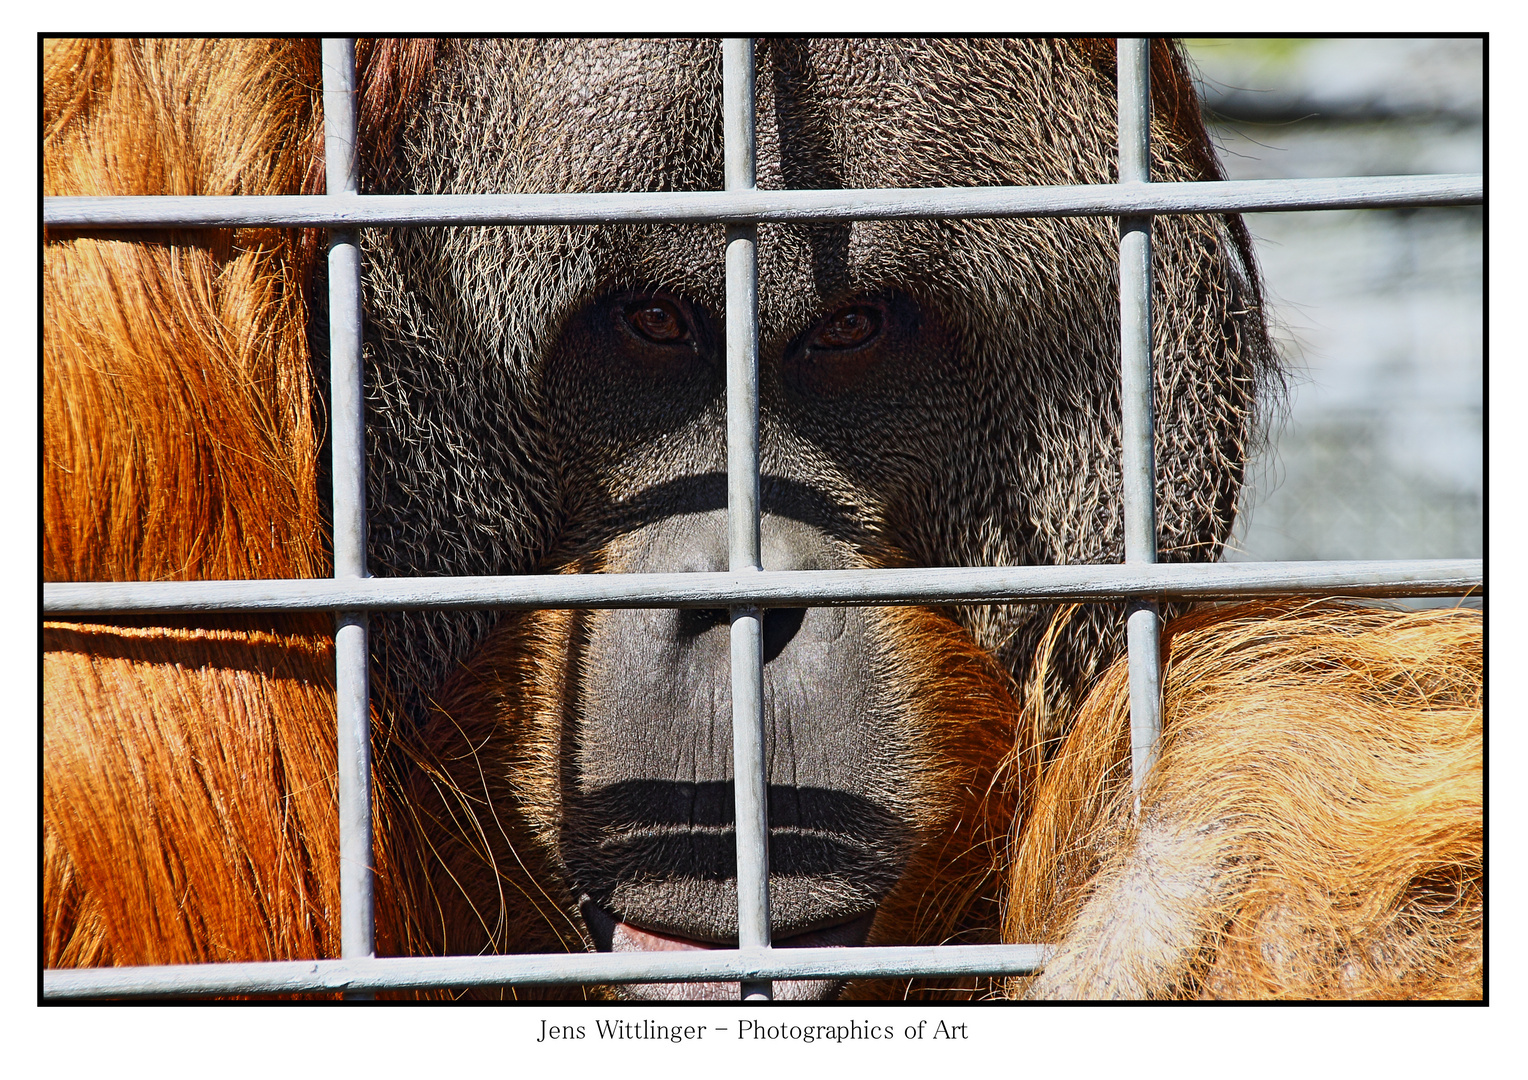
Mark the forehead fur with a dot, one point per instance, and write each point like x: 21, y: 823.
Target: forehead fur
x: 551, y: 115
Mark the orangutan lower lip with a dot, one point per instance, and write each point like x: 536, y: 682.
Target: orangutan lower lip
x: 629, y: 938
x: 614, y: 935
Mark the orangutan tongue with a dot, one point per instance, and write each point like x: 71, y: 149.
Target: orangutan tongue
x: 628, y: 938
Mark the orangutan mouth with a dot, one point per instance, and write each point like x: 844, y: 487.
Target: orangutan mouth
x: 625, y: 937
x: 615, y: 935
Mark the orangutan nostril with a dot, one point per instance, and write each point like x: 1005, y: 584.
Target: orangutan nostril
x: 693, y: 621
x: 780, y: 625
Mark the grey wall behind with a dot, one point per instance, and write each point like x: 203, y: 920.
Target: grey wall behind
x: 1379, y: 312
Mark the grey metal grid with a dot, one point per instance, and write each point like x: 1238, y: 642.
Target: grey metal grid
x: 746, y: 588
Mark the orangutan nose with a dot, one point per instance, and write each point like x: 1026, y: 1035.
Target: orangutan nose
x: 648, y: 818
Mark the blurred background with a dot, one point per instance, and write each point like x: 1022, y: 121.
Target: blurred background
x: 1378, y: 313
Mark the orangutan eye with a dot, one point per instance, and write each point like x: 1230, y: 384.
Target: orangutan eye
x: 848, y: 328
x: 658, y: 321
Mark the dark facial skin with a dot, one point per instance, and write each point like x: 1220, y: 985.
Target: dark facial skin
x: 647, y: 833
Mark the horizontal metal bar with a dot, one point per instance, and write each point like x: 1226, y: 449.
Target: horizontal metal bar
x: 741, y: 207
x: 824, y: 588
x: 408, y: 973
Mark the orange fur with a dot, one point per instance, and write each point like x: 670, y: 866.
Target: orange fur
x: 189, y: 799
x: 1313, y: 827
x: 481, y: 788
x: 964, y: 710
x: 189, y: 770
x: 179, y: 441
x: 179, y: 444
x: 117, y: 702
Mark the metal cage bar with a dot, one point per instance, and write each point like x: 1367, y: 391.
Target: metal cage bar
x: 749, y: 769
x: 352, y: 680
x: 822, y: 588
x: 745, y: 588
x: 1138, y: 480
x: 406, y: 973
x: 747, y: 207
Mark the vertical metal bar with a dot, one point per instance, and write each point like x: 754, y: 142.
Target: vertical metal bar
x: 1143, y: 622
x: 347, y: 420
x: 748, y: 765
